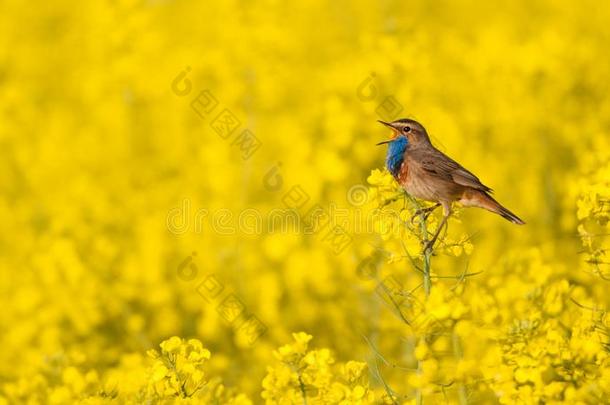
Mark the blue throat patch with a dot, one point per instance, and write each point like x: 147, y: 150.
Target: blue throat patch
x: 395, y: 155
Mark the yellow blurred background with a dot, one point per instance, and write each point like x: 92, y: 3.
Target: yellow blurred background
x: 148, y: 147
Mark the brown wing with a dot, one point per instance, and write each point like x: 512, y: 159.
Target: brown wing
x: 438, y: 164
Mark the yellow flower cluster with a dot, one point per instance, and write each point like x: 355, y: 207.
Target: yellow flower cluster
x: 179, y: 368
x: 311, y: 376
x: 594, y: 216
x: 178, y: 373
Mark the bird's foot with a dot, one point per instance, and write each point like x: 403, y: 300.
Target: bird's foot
x: 428, y: 247
x: 417, y: 214
x: 424, y: 213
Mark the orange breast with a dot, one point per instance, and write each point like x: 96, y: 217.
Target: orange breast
x: 403, y: 173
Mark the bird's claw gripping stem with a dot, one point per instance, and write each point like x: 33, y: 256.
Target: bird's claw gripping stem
x: 425, y: 211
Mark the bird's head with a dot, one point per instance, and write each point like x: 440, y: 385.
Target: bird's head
x: 413, y: 131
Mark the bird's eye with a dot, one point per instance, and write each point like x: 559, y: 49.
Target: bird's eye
x: 407, y: 129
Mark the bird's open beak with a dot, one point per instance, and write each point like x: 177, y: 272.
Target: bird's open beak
x: 387, y: 124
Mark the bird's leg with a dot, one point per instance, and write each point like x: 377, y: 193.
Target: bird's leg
x: 446, y: 214
x: 426, y: 211
x: 431, y: 242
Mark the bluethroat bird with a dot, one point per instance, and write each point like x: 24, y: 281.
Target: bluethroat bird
x: 427, y: 173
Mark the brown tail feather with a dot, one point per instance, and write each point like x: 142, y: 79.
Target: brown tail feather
x: 484, y: 200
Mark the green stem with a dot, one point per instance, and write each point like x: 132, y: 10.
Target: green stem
x: 457, y: 351
x: 302, y: 387
x: 419, y: 398
x: 426, y: 252
x: 427, y: 279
